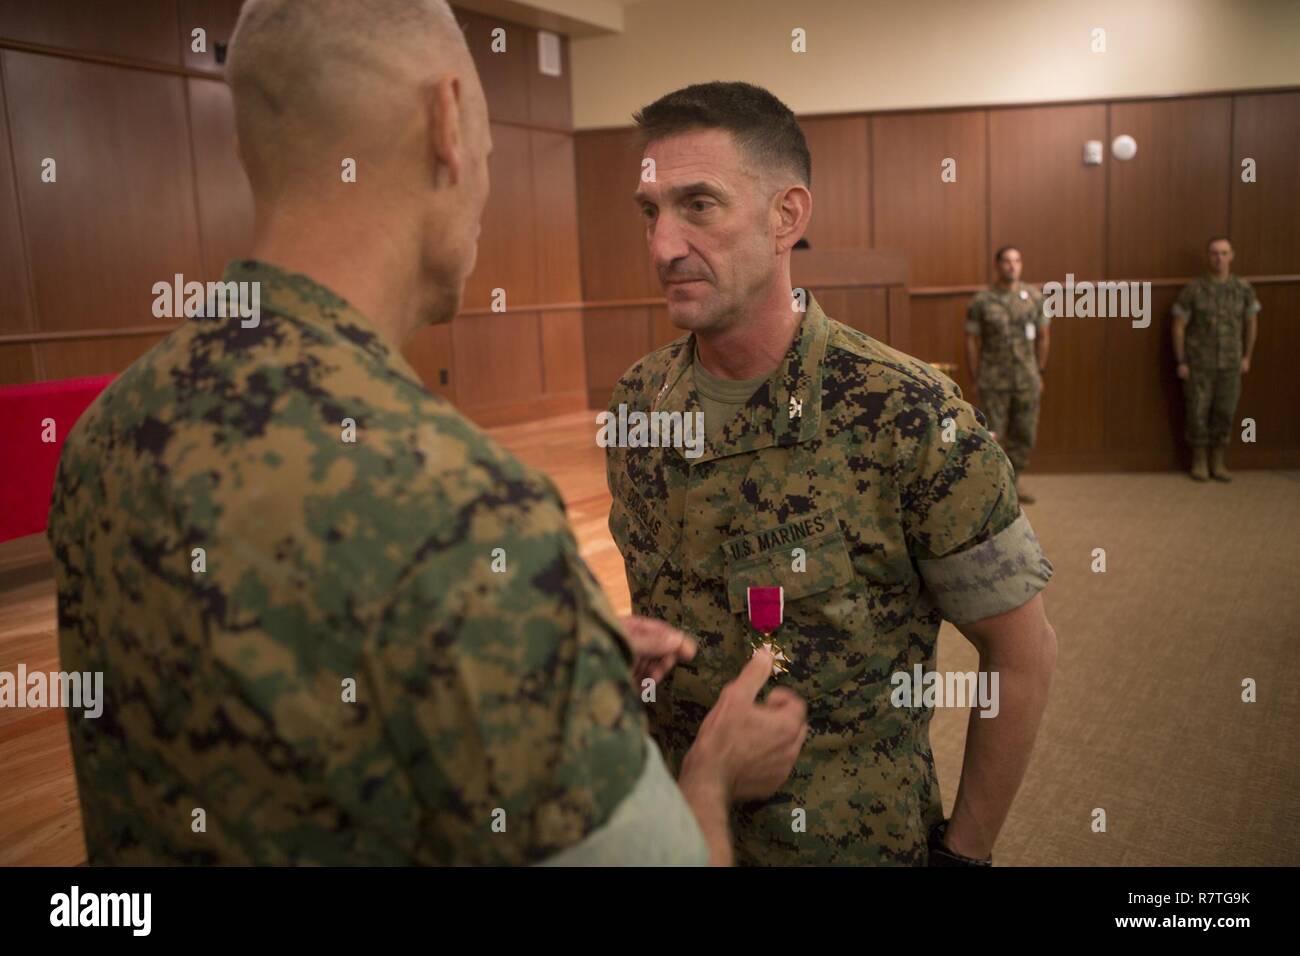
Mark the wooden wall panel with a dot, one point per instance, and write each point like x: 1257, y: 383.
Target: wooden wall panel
x: 549, y: 102
x: 498, y: 359
x: 841, y: 184
x: 899, y: 308
x: 1173, y: 195
x: 940, y: 226
x: 17, y: 364
x: 937, y: 335
x: 555, y: 201
x: 507, y: 247
x: 861, y: 309
x: 517, y: 91
x: 121, y: 215
x: 217, y: 18
x: 564, y: 360
x: 225, y: 199
x: 1072, y: 417
x: 1270, y: 391
x: 1266, y: 213
x: 615, y: 339
x: 430, y: 353
x: 1142, y: 395
x: 615, y: 258
x: 504, y: 75
x: 75, y: 358
x: 1042, y: 198
x: 142, y: 29
x: 15, y: 290
x: 662, y: 331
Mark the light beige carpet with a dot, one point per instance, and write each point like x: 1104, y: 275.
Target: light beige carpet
x: 1146, y: 719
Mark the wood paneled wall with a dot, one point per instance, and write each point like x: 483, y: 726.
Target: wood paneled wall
x: 149, y: 185
x: 1112, y: 399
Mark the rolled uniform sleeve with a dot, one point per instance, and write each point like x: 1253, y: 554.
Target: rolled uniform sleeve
x: 1182, y: 307
x: 1041, y: 319
x: 973, y: 317
x: 973, y: 546
x: 653, y: 826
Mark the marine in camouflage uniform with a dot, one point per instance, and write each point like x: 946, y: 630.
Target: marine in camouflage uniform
x: 1009, y: 380
x: 840, y: 453
x: 1216, y: 313
x: 326, y: 561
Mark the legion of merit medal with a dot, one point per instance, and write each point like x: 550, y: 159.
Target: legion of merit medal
x: 766, y: 611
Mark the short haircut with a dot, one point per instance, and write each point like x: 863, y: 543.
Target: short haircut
x: 997, y: 256
x: 315, y: 80
x: 1215, y: 239
x: 763, y: 126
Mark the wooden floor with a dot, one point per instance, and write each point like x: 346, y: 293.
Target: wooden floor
x: 1145, y: 719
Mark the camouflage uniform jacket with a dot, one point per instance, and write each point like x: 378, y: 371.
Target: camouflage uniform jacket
x: 482, y: 696
x: 1215, y: 313
x: 1002, y: 318
x: 836, y: 483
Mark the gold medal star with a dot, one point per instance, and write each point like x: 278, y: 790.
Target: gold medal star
x: 780, y: 663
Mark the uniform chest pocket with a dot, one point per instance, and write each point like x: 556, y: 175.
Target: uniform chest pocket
x: 803, y: 567
x: 826, y: 628
x: 997, y: 317
x: 848, y: 612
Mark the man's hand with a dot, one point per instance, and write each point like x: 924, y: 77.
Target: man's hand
x: 743, y: 751
x: 1245, y: 364
x: 657, y: 647
x: 1183, y: 370
x: 749, y: 747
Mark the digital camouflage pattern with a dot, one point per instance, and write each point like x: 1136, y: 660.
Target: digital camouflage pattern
x: 1013, y: 417
x: 840, y: 454
x: 1210, y: 403
x: 999, y: 317
x: 326, y: 561
x: 1216, y: 315
x: 1009, y: 380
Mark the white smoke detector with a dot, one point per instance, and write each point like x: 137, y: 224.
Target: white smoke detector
x: 1124, y: 147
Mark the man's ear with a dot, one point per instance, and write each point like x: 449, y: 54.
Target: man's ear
x: 793, y: 208
x: 442, y: 106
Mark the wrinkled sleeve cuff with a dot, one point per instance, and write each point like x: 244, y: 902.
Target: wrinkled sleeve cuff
x: 972, y: 327
x: 995, y: 576
x: 1180, y: 310
x: 653, y: 826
